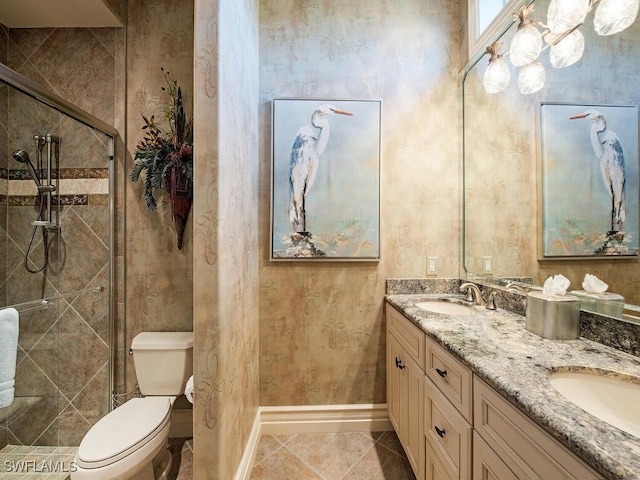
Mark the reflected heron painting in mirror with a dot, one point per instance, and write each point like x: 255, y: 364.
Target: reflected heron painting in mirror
x: 608, y: 149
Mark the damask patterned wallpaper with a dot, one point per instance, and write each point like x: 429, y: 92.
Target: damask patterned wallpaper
x: 321, y: 324
x: 159, y: 277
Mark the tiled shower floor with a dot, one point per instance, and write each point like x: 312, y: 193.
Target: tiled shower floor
x: 18, y: 462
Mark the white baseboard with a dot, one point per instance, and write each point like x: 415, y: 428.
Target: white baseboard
x: 324, y: 419
x: 244, y: 469
x: 287, y: 420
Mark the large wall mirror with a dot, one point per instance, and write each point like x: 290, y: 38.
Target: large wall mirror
x: 502, y: 151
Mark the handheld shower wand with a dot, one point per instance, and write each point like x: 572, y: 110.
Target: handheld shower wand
x: 22, y: 156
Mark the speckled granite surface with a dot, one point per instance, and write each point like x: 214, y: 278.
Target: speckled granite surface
x: 499, y: 350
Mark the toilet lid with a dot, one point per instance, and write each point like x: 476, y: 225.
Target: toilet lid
x: 124, y: 430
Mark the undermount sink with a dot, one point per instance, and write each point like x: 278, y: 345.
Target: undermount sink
x: 612, y: 399
x: 446, y: 308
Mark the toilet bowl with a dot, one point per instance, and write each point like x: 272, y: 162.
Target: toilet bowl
x: 130, y: 443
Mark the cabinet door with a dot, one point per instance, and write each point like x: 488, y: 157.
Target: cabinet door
x: 394, y: 355
x: 413, y: 382
x: 486, y: 464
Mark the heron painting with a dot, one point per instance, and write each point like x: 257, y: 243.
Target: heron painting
x: 589, y: 161
x: 325, y: 174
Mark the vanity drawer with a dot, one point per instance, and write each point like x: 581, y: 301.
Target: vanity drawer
x: 408, y: 335
x: 448, y: 433
x: 453, y: 378
x: 526, y: 449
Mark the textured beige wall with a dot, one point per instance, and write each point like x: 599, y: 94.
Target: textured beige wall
x: 501, y: 159
x: 321, y: 324
x: 159, y: 277
x: 225, y: 234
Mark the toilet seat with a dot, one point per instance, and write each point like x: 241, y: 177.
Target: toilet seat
x: 124, y: 431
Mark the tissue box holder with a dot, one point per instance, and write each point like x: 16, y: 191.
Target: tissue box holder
x: 606, y: 303
x: 556, y: 317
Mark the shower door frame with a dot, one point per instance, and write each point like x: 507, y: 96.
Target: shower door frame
x: 35, y: 91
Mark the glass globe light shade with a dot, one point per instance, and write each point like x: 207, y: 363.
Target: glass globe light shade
x: 568, y: 51
x: 525, y: 46
x: 564, y: 15
x: 613, y: 16
x: 531, y: 78
x: 496, y: 76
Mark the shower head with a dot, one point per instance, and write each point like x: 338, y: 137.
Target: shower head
x: 23, y: 157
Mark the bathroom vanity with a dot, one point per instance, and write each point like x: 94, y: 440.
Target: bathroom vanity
x: 469, y: 397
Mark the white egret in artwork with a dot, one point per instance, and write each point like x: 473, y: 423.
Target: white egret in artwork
x: 308, y: 146
x: 608, y: 149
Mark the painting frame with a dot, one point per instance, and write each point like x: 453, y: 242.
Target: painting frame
x: 588, y: 166
x: 325, y: 194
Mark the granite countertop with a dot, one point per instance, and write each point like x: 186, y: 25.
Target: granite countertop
x: 495, y: 345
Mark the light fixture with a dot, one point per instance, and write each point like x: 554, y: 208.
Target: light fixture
x: 531, y: 78
x: 568, y: 50
x: 564, y: 15
x: 613, y: 16
x: 561, y: 35
x: 527, y: 42
x: 497, y: 75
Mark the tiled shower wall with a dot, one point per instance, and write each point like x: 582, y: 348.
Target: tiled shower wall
x: 62, y: 378
x: 3, y: 194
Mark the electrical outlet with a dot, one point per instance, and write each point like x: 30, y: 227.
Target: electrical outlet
x: 432, y: 266
x: 487, y: 265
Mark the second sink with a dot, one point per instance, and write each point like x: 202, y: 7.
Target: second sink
x: 611, y: 399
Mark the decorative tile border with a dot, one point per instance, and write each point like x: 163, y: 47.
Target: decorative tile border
x: 63, y: 200
x: 62, y: 173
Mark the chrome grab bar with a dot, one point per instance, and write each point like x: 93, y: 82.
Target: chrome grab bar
x: 43, y: 303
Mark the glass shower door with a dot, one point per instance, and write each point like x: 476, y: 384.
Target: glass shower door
x: 55, y: 270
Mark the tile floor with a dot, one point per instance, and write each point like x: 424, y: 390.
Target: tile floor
x: 18, y: 462
x: 320, y: 456
x: 331, y: 456
x: 182, y: 465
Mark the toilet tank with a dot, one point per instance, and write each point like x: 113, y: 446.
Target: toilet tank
x: 163, y: 361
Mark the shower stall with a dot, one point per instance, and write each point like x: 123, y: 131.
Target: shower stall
x: 56, y: 270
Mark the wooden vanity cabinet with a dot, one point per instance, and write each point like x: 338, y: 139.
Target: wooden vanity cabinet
x: 453, y: 426
x: 405, y: 385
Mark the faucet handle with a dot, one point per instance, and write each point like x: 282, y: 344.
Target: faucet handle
x: 491, y: 301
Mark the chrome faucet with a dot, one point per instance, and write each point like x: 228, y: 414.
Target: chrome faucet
x: 515, y: 288
x: 472, y: 293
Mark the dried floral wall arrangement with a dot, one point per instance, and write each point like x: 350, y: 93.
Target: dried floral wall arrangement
x: 166, y: 157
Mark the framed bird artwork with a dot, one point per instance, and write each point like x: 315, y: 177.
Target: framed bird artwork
x: 325, y: 192
x: 589, y: 180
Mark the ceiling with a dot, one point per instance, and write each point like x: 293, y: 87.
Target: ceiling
x: 58, y: 13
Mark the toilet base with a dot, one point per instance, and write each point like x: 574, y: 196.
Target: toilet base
x: 162, y: 465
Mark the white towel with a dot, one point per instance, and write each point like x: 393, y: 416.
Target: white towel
x: 188, y: 389
x: 9, y: 321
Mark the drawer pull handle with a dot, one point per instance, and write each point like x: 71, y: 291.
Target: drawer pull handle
x: 399, y: 364
x: 442, y: 373
x: 440, y: 433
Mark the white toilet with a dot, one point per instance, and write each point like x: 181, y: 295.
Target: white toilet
x: 130, y: 443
